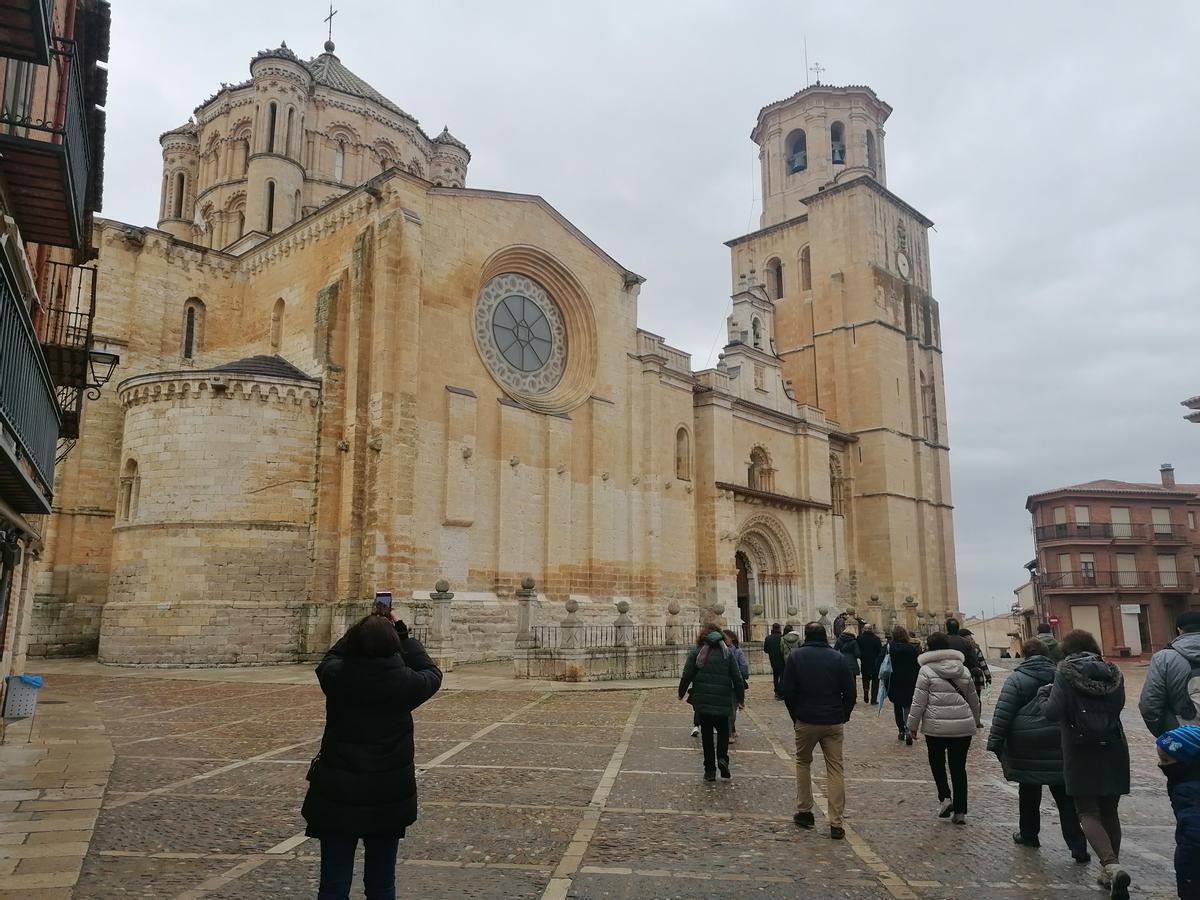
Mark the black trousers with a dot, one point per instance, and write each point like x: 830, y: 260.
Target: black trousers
x: 901, y: 714
x: 776, y: 677
x: 870, y: 687
x: 708, y: 725
x: 1030, y: 805
x: 955, y: 750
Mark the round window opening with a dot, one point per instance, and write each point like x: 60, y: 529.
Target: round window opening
x: 520, y: 334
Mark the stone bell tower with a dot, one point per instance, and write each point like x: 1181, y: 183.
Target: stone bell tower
x: 846, y: 264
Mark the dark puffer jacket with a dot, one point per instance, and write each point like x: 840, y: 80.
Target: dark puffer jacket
x: 1085, y: 681
x: 717, y: 685
x: 817, y: 685
x: 1029, y: 746
x: 905, y: 668
x: 363, y: 783
x: 870, y: 648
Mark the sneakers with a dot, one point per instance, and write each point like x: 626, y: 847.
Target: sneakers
x: 710, y: 775
x: 836, y: 833
x: 695, y: 731
x: 1118, y: 882
x: 959, y: 818
x: 804, y: 820
x: 945, y: 808
x: 723, y: 765
x: 1023, y: 841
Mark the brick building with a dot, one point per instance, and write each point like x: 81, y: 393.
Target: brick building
x: 1118, y: 559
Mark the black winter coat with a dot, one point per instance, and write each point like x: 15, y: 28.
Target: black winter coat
x: 773, y: 647
x: 817, y: 685
x: 905, y: 669
x: 1084, y: 678
x: 363, y: 782
x: 870, y: 648
x: 971, y: 656
x: 1028, y: 745
x: 848, y: 647
x: 717, y: 686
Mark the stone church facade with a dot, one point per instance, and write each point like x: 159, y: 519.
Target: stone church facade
x: 345, y: 371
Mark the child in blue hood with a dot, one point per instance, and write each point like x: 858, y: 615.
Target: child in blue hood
x: 1179, y: 758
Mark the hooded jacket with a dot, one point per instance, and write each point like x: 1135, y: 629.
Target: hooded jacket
x: 817, y: 685
x: 1086, y: 680
x: 944, y: 702
x: 1050, y: 642
x: 1028, y: 745
x: 870, y: 648
x: 717, y: 685
x: 363, y: 782
x: 847, y: 645
x: 1165, y: 703
x: 905, y: 668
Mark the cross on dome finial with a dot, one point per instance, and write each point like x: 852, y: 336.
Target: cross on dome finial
x: 816, y: 68
x: 329, y: 18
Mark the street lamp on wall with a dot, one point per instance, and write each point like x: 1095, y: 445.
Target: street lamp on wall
x: 101, y: 365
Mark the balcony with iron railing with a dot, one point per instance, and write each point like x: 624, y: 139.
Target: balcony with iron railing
x: 29, y: 415
x: 1166, y: 533
x: 1091, y: 580
x: 1109, y: 531
x: 25, y: 29
x: 44, y: 151
x: 65, y: 327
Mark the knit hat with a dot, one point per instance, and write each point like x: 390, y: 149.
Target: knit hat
x: 1190, y: 619
x: 1181, y: 744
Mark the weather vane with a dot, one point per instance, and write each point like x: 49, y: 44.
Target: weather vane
x: 817, y: 69
x: 329, y: 18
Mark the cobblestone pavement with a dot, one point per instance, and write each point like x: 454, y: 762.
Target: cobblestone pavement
x: 565, y: 794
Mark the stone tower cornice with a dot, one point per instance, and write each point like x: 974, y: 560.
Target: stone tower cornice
x: 209, y: 385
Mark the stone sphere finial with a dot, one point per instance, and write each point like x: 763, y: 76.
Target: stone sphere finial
x: 527, y: 583
x: 622, y: 606
x: 329, y: 46
x: 442, y: 586
x: 823, y: 610
x: 572, y: 605
x: 792, y: 612
x: 718, y: 609
x: 673, y: 607
x: 758, y: 609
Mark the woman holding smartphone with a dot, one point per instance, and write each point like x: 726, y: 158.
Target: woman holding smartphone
x: 362, y: 783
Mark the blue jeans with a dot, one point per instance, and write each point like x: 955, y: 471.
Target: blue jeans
x: 1185, y: 800
x: 337, y: 867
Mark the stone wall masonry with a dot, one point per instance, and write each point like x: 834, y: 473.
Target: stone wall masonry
x: 64, y: 627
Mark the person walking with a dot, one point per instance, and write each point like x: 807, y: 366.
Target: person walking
x: 1086, y: 699
x: 820, y: 693
x: 362, y: 784
x: 1045, y: 635
x: 1179, y: 759
x: 1171, y: 695
x: 773, y: 647
x: 712, y: 674
x: 870, y: 650
x: 847, y: 645
x: 903, y: 680
x: 963, y: 646
x: 980, y: 674
x: 1030, y: 751
x: 946, y: 708
x: 731, y: 639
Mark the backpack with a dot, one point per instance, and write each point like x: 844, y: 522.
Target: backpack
x: 1094, y: 723
x: 1190, y: 713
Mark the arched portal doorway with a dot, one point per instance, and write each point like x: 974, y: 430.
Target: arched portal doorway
x: 765, y: 561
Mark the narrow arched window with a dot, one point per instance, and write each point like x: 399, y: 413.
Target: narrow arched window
x: 193, y: 327
x: 244, y: 148
x: 756, y: 333
x: 760, y: 476
x: 683, y: 454
x: 180, y: 184
x: 272, y: 113
x: 296, y: 207
x: 277, y: 325
x: 130, y: 488
x: 339, y: 161
x: 805, y: 270
x: 797, y: 152
x: 166, y: 187
x: 870, y: 149
x: 287, y: 146
x: 270, y: 209
x: 837, y: 143
x: 241, y: 222
x: 775, y: 279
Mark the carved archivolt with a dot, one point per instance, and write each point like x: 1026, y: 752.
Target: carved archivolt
x: 765, y: 539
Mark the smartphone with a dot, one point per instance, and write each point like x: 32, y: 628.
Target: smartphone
x: 383, y: 603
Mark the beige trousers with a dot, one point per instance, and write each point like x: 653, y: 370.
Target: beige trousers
x: 830, y: 739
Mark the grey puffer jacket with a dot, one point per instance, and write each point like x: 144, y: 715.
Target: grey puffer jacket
x: 944, y: 702
x: 1165, y: 703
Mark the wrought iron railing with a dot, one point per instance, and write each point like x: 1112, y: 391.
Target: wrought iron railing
x: 1082, y: 531
x: 44, y: 105
x: 27, y: 401
x: 550, y: 636
x: 69, y: 306
x: 1089, y: 579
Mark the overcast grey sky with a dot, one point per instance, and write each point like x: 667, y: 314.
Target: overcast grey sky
x: 1052, y: 143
